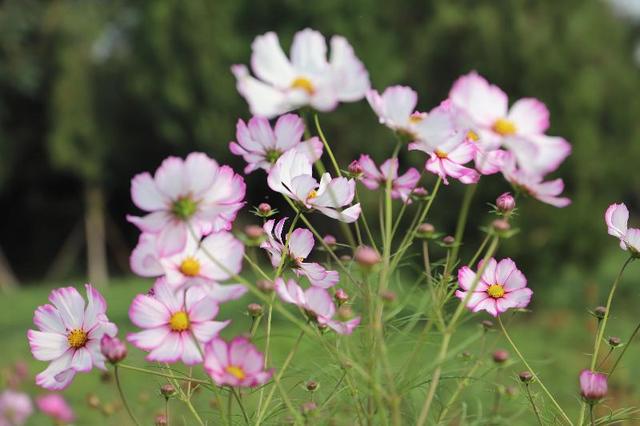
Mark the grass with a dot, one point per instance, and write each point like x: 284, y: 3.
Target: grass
x: 556, y: 342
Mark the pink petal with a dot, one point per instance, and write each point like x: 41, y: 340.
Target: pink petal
x: 70, y: 305
x: 616, y: 218
x: 319, y: 301
x: 206, y: 330
x: 150, y: 338
x: 170, y: 178
x: 81, y: 360
x: 47, y: 318
x: 170, y: 350
x: 530, y: 116
x: 288, y: 131
x: 148, y: 312
x: 146, y: 195
x: 301, y: 243
x: 47, y: 346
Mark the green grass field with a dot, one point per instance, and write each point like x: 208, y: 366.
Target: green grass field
x: 556, y: 342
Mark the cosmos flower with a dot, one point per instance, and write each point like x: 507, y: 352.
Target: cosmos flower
x: 193, y: 194
x: 532, y: 184
x: 292, y: 176
x: 317, y: 304
x: 448, y: 145
x: 237, y: 363
x: 216, y: 258
x: 261, y: 146
x: 521, y: 128
x: 593, y: 386
x: 401, y: 186
x: 501, y: 287
x: 617, y: 217
x: 55, y: 406
x: 69, y: 334
x: 299, y: 247
x: 15, y: 408
x: 306, y: 79
x: 395, y: 108
x: 174, y: 323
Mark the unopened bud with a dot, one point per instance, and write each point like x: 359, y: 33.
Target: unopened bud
x: 108, y: 409
x: 511, y: 391
x: 466, y: 355
x: 254, y: 232
x: 506, y: 203
x: 500, y: 356
x: 341, y: 296
x: 355, y: 169
x: 312, y: 386
x: 600, y: 312
x: 425, y: 230
x: 448, y: 240
x: 367, y: 256
x: 113, y: 349
x: 388, y: 296
x: 255, y: 310
x: 500, y: 225
x: 345, y: 313
x: 265, y: 286
x: 487, y: 325
x: 264, y: 209
x: 167, y: 390
x: 330, y: 240
x: 309, y: 407
x: 92, y: 400
x: 614, y: 341
x: 161, y: 420
x: 593, y: 386
x: 345, y: 258
x: 525, y: 376
x: 419, y: 192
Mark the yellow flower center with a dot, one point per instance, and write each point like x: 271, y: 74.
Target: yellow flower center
x: 303, y: 83
x: 190, y: 267
x: 504, y: 127
x: 179, y: 321
x: 472, y: 136
x: 236, y: 372
x: 77, y: 338
x: 496, y: 291
x: 441, y: 154
x: 416, y: 117
x: 312, y: 194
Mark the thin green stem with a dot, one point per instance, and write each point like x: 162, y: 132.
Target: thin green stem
x: 533, y: 404
x: 234, y: 391
x: 122, y: 397
x: 326, y: 146
x: 477, y: 253
x: 365, y: 223
x: 460, y: 227
x: 533, y: 373
x: 624, y: 349
x: 159, y: 374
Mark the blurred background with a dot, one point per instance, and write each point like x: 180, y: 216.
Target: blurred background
x: 93, y: 92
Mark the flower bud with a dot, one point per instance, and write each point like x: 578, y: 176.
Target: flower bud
x: 500, y: 356
x: 92, y: 400
x: 108, y: 409
x: 255, y: 310
x: 113, y: 349
x: 264, y: 209
x: 341, y: 296
x: 448, y: 240
x: 600, y: 312
x: 367, y: 257
x: 388, y: 296
x: 312, y: 386
x: 466, y: 355
x: 161, y: 420
x: 254, y: 232
x: 419, y: 192
x: 355, y: 169
x: 167, y: 390
x: 330, y: 240
x: 309, y: 407
x: 506, y: 203
x: 345, y: 313
x: 511, y: 391
x: 500, y: 225
x: 425, y: 230
x: 487, y: 325
x: 525, y: 376
x: 265, y: 286
x: 345, y: 258
x: 593, y: 386
x: 614, y: 341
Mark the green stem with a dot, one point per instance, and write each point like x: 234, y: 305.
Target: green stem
x: 624, y: 349
x: 239, y: 400
x: 533, y: 404
x: 601, y: 330
x: 326, y: 146
x: 460, y: 227
x: 122, y: 397
x: 535, y: 376
x: 159, y: 374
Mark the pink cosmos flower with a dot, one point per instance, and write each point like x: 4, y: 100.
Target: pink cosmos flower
x: 317, y: 304
x: 237, y: 363
x: 395, y: 108
x: 401, y: 186
x: 617, y: 217
x: 193, y: 193
x: 261, y: 146
x: 532, y: 184
x: 593, y: 386
x: 501, y: 287
x: 216, y: 258
x: 55, y: 406
x: 308, y: 78
x: 301, y: 243
x: 174, y: 323
x: 521, y: 128
x: 15, y: 408
x: 448, y: 145
x: 292, y: 176
x: 69, y: 335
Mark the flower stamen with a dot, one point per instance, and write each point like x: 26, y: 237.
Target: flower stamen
x: 77, y: 338
x: 496, y: 291
x: 303, y: 83
x: 179, y: 321
x: 190, y: 267
x: 236, y: 372
x: 504, y: 127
